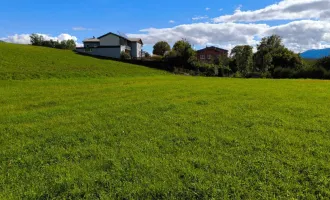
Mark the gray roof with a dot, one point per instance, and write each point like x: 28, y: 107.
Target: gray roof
x: 91, y: 40
x: 135, y: 40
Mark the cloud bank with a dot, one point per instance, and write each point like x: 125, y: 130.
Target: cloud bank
x: 25, y: 38
x: 308, y: 27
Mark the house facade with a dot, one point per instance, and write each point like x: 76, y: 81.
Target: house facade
x: 111, y: 45
x: 208, y: 54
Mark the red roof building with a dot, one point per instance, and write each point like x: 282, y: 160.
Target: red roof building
x: 210, y: 53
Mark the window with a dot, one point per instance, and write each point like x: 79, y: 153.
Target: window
x: 202, y: 57
x: 209, y: 57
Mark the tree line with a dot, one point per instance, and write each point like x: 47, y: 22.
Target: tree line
x: 271, y: 60
x: 39, y: 40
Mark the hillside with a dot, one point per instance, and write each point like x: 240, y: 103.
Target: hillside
x: 29, y: 62
x: 86, y: 128
x: 315, y: 53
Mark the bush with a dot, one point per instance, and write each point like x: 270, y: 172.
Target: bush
x: 125, y: 56
x: 280, y: 72
x: 238, y: 75
x: 147, y: 55
x: 312, y: 72
x: 156, y: 58
x: 253, y: 75
x: 324, y: 63
x: 266, y: 75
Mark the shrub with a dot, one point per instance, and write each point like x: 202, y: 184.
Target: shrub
x: 266, y: 75
x: 238, y: 75
x: 312, y: 72
x: 125, y: 56
x: 147, y: 55
x: 253, y: 75
x: 324, y: 62
x: 280, y: 72
x: 156, y: 58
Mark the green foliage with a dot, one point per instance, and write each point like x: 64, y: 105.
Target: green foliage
x: 272, y: 53
x: 184, y: 52
x: 38, y: 40
x: 182, y: 55
x: 125, y: 56
x: 160, y: 48
x: 324, y: 63
x: 280, y: 72
x: 243, y: 56
x: 112, y: 130
x: 147, y: 55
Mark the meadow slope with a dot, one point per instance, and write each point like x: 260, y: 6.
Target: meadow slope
x: 98, y: 129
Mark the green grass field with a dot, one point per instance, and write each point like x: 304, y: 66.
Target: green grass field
x: 75, y: 127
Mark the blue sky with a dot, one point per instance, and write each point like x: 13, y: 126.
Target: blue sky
x: 84, y: 19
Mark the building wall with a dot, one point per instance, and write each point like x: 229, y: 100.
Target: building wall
x: 136, y: 50
x: 112, y: 52
x: 110, y: 40
x: 91, y: 44
x: 213, y: 53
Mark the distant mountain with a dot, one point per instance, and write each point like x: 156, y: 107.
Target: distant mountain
x: 315, y: 53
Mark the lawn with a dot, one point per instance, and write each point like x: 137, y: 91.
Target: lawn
x: 139, y: 133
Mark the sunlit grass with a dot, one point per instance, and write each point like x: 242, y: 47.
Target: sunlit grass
x: 160, y: 136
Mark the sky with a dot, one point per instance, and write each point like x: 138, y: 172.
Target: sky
x: 303, y: 24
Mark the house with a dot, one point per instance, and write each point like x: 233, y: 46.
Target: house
x: 210, y: 53
x: 111, y: 45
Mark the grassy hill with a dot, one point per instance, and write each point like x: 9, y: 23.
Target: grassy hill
x: 146, y: 134
x: 29, y: 62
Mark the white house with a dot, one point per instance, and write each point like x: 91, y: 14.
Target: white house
x: 111, y: 45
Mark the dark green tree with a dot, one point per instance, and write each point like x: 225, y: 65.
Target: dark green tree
x: 70, y: 44
x: 243, y: 56
x: 36, y: 39
x: 271, y: 53
x: 185, y: 54
x: 147, y: 55
x: 160, y: 48
x: 324, y: 63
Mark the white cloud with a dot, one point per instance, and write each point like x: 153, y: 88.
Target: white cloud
x: 205, y: 33
x: 25, y: 38
x: 303, y: 35
x: 284, y: 10
x: 220, y: 9
x: 207, y: 9
x: 20, y: 39
x: 171, y: 21
x: 80, y: 28
x: 297, y: 36
x: 308, y: 27
x: 199, y: 18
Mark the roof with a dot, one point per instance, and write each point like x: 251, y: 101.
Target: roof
x: 91, y: 40
x: 214, y: 48
x: 129, y: 39
x: 135, y: 40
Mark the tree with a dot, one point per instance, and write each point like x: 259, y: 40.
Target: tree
x: 70, y: 44
x: 185, y: 54
x: 147, y: 55
x: 271, y: 53
x: 243, y: 56
x: 324, y: 63
x: 36, y: 39
x: 160, y: 48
